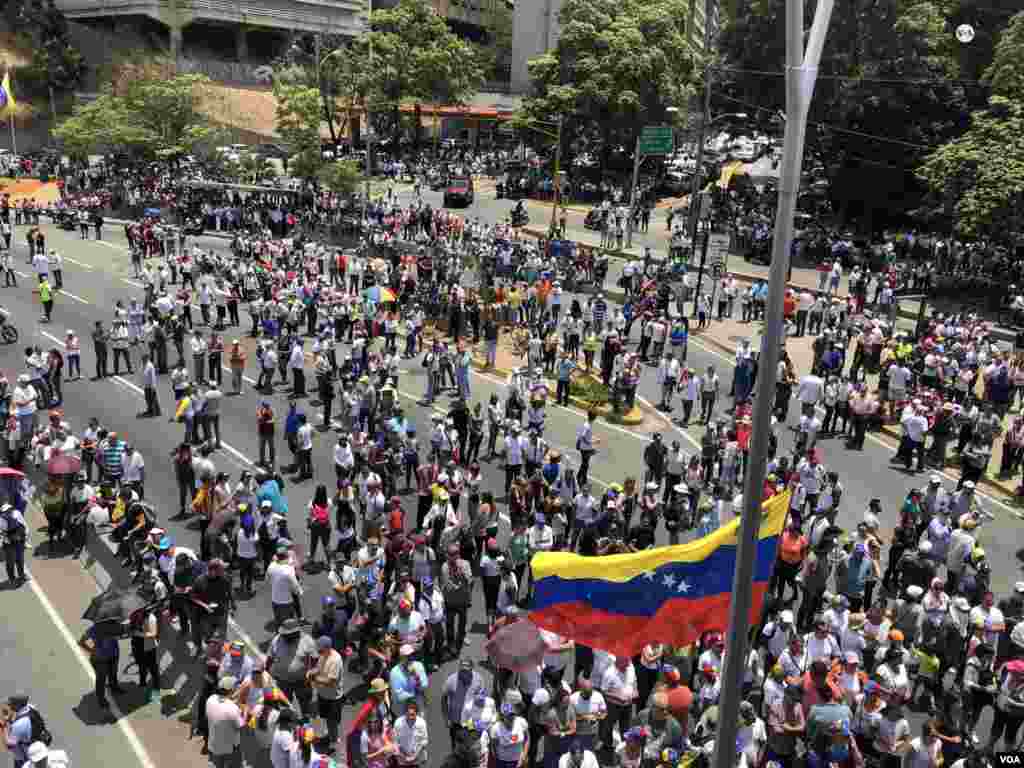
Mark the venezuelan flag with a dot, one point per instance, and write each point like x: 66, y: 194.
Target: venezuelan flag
x: 620, y: 603
x: 6, y: 94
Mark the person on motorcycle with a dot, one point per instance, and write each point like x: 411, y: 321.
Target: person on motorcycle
x: 519, y: 211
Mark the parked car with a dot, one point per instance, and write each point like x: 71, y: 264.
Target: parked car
x: 459, y: 191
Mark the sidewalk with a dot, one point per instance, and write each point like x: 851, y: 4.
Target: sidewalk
x: 726, y: 334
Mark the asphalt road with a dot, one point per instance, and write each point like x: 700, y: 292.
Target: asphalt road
x: 100, y: 274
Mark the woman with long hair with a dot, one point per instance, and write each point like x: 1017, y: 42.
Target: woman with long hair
x: 319, y: 525
x: 247, y: 539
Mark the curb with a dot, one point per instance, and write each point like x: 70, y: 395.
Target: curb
x: 890, y: 430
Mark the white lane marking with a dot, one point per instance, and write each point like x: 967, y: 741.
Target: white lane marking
x: 672, y: 425
x: 231, y: 622
x: 82, y: 264
x: 244, y: 377
x: 123, y: 724
x: 136, y: 283
x: 70, y: 295
x: 115, y: 246
x: 19, y: 273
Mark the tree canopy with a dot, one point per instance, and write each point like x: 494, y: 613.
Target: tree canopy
x: 618, y: 65
x: 894, y: 84
x: 408, y: 56
x: 978, y: 178
x: 148, y: 117
x: 55, y: 62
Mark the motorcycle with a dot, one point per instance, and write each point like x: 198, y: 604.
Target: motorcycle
x: 8, y: 333
x: 193, y: 226
x: 594, y: 219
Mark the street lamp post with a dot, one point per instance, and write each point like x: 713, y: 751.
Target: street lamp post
x: 557, y: 187
x: 369, y: 122
x: 706, y: 121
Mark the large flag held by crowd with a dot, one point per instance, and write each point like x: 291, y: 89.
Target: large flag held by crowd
x: 672, y: 595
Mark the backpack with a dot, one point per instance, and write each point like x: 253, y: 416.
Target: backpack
x: 319, y: 515
x: 39, y: 730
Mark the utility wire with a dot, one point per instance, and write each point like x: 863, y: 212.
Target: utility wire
x: 849, y: 79
x: 829, y: 127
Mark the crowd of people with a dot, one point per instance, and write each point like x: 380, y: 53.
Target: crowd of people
x: 837, y: 665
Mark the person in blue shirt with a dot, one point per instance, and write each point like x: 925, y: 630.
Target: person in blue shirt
x: 408, y: 681
x: 18, y: 732
x: 291, y: 431
x: 565, y: 368
x: 105, y: 650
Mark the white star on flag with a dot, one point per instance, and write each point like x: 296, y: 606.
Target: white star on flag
x: 669, y: 581
x: 683, y: 587
x: 649, y: 575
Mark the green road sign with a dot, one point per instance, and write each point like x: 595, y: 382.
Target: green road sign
x: 656, y: 140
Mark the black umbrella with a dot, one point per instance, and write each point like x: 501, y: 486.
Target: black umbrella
x: 116, y: 604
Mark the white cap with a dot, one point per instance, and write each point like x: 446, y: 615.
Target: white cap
x: 969, y: 484
x: 37, y: 752
x: 924, y: 547
x: 541, y: 697
x: 1019, y: 587
x: 914, y: 592
x: 871, y: 520
x: 405, y: 651
x: 786, y: 617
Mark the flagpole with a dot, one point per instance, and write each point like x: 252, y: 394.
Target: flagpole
x: 801, y: 72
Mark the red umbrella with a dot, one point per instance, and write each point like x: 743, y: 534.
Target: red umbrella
x: 63, y: 464
x: 517, y: 646
x: 10, y: 472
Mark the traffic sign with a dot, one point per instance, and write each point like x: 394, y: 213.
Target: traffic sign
x: 656, y: 140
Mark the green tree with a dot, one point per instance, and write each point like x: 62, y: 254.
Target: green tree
x: 1006, y: 73
x: 890, y: 89
x: 55, y: 63
x: 982, y: 172
x: 298, y: 116
x: 340, y: 176
x: 977, y: 179
x: 151, y: 118
x: 417, y: 58
x: 338, y: 68
x: 618, y: 65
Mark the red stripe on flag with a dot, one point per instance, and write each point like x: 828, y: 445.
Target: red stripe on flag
x: 678, y: 622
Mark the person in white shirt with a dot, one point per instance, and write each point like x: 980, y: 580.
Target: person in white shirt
x: 410, y: 737
x: 809, y: 392
x: 304, y: 453
x: 296, y: 360
x: 578, y: 757
x: 284, y: 586
x: 135, y: 470
x: 915, y: 427
x: 618, y: 683
x: 510, y: 738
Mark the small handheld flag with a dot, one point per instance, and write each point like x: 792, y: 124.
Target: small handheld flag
x: 6, y: 94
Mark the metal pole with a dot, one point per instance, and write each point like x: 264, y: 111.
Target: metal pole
x: 698, y: 168
x: 801, y: 72
x: 632, y: 192
x: 369, y: 122
x: 556, y: 188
